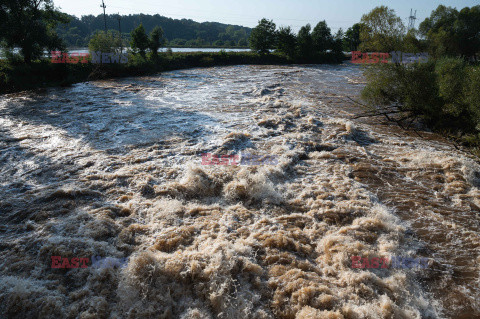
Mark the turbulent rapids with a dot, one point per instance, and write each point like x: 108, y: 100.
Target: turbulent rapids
x: 113, y: 169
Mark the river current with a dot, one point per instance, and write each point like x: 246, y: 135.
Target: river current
x: 114, y: 169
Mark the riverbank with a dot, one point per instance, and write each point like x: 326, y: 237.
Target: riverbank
x: 441, y: 94
x: 41, y: 74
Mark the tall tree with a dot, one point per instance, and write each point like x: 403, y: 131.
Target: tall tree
x: 322, y: 37
x: 439, y: 29
x: 139, y: 40
x: 467, y: 30
x: 30, y: 25
x: 381, y: 30
x: 337, y: 42
x: 262, y: 37
x: 156, y: 40
x: 305, y: 42
x: 286, y: 41
x: 105, y: 42
x: 352, y: 37
x: 411, y: 43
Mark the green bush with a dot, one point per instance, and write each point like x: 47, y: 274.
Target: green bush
x: 444, y: 93
x: 472, y: 93
x: 420, y: 91
x: 383, y: 88
x: 105, y: 42
x: 451, y: 79
x: 412, y: 89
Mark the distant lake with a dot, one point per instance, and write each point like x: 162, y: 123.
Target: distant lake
x: 85, y: 50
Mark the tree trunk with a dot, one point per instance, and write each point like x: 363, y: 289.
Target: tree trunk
x: 27, y: 56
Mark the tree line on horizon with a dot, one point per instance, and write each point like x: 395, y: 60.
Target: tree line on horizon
x: 36, y: 25
x: 185, y: 32
x: 447, y: 32
x: 305, y: 45
x: 441, y: 93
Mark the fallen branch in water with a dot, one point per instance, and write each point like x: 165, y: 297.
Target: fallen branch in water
x: 388, y: 112
x: 373, y: 114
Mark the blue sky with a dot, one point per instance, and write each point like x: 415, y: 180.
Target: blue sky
x: 295, y: 13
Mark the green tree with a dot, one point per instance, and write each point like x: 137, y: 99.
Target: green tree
x: 106, y: 42
x: 139, y: 42
x: 179, y: 42
x: 472, y: 93
x: 337, y: 42
x: 262, y: 37
x: 239, y: 34
x: 286, y: 41
x: 230, y: 30
x: 451, y: 74
x: 467, y: 31
x: 156, y: 40
x: 229, y: 43
x: 322, y: 37
x: 352, y: 37
x: 439, y: 29
x: 30, y: 25
x: 411, y: 43
x: 305, y: 42
x: 242, y: 42
x: 381, y: 30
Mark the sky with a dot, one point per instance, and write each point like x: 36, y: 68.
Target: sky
x: 294, y: 13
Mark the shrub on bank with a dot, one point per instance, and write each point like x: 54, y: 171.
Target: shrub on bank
x: 14, y: 78
x: 443, y: 93
x: 472, y: 92
x: 396, y: 85
x: 105, y: 42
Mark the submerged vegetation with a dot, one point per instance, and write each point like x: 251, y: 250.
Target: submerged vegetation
x: 444, y: 93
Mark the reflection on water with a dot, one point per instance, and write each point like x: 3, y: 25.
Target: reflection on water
x: 113, y: 169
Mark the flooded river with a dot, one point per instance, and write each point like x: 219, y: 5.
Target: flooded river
x: 114, y: 169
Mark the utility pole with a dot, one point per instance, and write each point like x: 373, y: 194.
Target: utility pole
x: 120, y: 31
x: 104, y: 16
x: 412, y: 18
x: 119, y: 26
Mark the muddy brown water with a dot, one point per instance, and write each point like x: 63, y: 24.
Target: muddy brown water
x: 113, y: 169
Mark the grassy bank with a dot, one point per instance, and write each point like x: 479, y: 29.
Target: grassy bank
x: 16, y: 77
